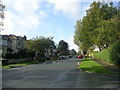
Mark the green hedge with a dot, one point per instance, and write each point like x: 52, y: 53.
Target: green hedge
x: 103, y: 55
x: 115, y: 53
x: 112, y: 54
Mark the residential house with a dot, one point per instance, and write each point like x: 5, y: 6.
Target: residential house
x: 12, y: 43
x: 20, y: 43
x: 5, y: 43
x: 17, y: 42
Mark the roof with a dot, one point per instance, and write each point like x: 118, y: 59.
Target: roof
x: 12, y: 37
x: 5, y: 37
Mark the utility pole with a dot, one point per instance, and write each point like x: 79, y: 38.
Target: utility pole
x: 2, y: 8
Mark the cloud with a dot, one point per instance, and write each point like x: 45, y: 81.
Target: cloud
x: 70, y: 8
x: 71, y: 43
x: 22, y: 16
x: 73, y: 8
x: 86, y: 0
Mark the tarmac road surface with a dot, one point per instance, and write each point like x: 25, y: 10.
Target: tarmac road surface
x: 55, y: 74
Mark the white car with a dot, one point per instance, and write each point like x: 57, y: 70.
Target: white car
x: 62, y: 57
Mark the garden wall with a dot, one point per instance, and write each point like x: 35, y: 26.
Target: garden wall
x: 12, y: 61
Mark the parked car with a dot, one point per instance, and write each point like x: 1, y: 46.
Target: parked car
x: 67, y: 57
x: 76, y: 56
x: 62, y: 57
x: 70, y: 56
x: 80, y: 56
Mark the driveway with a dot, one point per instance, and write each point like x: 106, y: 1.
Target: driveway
x: 55, y: 74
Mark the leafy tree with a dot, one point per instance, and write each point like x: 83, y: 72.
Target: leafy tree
x: 63, y: 48
x: 39, y: 45
x: 105, y: 28
x: 72, y: 52
x: 99, y: 27
x: 2, y: 7
x: 81, y: 37
x: 77, y: 32
x: 106, y: 33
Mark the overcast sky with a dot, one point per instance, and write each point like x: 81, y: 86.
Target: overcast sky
x: 44, y: 18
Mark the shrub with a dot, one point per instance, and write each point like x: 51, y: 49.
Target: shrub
x: 15, y: 56
x: 53, y: 58
x: 115, y: 52
x: 103, y: 55
x: 112, y: 54
x: 22, y: 53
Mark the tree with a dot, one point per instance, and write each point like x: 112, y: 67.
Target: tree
x: 2, y: 7
x: 105, y: 29
x: 81, y: 37
x: 63, y: 48
x: 106, y: 33
x: 51, y: 51
x: 39, y: 45
x: 78, y: 30
x: 72, y: 52
x: 100, y: 27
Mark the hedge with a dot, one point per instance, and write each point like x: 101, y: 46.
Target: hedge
x: 115, y: 53
x: 103, y: 55
x: 112, y: 54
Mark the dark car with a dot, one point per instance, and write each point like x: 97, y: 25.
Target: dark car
x: 76, y: 56
x: 80, y: 56
x: 70, y: 56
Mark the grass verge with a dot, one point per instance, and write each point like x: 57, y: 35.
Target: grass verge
x: 90, y: 65
x: 25, y: 63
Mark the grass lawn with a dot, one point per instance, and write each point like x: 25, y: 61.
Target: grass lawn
x: 25, y: 63
x: 8, y: 66
x: 92, y: 66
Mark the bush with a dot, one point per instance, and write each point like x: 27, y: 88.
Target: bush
x: 7, y: 55
x: 22, y: 53
x: 53, y: 58
x: 103, y: 55
x: 115, y: 53
x: 15, y: 56
x: 112, y: 54
x: 4, y: 62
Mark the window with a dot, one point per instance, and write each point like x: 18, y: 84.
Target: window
x: 4, y: 42
x: 19, y: 43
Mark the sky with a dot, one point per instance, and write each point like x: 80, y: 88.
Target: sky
x: 54, y: 18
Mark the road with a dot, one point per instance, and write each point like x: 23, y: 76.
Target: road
x: 55, y: 74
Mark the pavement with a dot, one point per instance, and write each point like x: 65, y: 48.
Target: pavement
x: 55, y: 74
